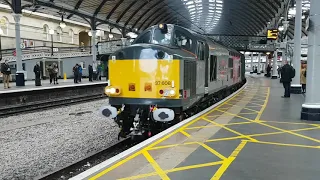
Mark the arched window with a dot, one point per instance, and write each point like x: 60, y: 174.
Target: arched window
x: 71, y: 35
x: 46, y: 32
x: 59, y: 34
x: 4, y: 23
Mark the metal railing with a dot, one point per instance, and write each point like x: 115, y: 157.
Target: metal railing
x: 45, y: 51
x: 108, y: 47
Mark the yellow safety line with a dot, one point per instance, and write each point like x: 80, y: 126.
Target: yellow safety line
x: 156, y: 166
x: 212, y: 151
x: 228, y: 129
x: 264, y: 106
x: 256, y: 104
x: 228, y: 161
x: 200, y: 127
x: 284, y: 144
x: 247, y: 113
x: 171, y: 145
x: 173, y: 170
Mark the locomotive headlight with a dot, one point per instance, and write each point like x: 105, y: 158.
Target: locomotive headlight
x: 112, y: 90
x: 172, y: 92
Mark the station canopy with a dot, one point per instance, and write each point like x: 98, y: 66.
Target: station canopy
x: 227, y: 17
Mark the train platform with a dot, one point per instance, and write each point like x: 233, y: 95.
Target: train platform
x: 254, y: 134
x: 45, y: 85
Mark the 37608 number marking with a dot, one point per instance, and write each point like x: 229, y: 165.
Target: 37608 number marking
x: 163, y: 83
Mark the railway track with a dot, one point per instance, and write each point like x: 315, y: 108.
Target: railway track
x: 35, y: 106
x: 89, y: 161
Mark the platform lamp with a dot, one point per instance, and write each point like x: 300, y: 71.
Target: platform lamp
x: 90, y: 35
x: 1, y: 33
x: 51, y: 32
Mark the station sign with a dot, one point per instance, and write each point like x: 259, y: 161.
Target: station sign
x: 272, y: 34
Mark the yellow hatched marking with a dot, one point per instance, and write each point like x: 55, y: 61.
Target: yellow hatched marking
x: 212, y: 151
x: 200, y: 127
x: 276, y: 128
x: 228, y: 161
x: 174, y: 170
x: 105, y: 171
x: 246, y: 108
x: 238, y: 123
x: 284, y: 144
x: 224, y: 139
x: 228, y: 129
x: 185, y: 133
x: 156, y: 166
x: 248, y: 113
x: 171, y: 146
x: 256, y: 104
x: 263, y: 106
x: 283, y: 122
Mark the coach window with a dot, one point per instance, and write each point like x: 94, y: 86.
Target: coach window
x: 182, y: 40
x: 144, y: 38
x: 200, y: 50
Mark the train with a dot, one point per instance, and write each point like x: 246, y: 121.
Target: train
x: 167, y: 74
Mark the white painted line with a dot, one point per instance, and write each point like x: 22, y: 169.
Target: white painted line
x: 311, y: 106
x: 50, y: 87
x: 141, y: 145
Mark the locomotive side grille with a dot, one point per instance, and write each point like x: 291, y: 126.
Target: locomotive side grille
x: 190, y: 76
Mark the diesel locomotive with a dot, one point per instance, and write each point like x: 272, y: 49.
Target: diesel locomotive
x: 167, y: 74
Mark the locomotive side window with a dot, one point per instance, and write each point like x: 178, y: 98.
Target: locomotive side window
x: 144, y: 38
x: 200, y: 50
x: 213, y: 68
x: 182, y: 40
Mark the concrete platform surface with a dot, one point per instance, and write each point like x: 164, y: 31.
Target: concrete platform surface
x: 255, y: 135
x: 30, y: 85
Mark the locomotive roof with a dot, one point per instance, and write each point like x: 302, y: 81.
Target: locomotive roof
x: 200, y: 36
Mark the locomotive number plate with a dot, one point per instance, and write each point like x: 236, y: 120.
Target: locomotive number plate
x: 163, y: 83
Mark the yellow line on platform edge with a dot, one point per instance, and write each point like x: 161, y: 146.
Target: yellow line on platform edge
x: 228, y: 161
x: 124, y: 160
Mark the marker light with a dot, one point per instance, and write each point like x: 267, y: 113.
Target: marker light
x: 112, y: 90
x: 172, y: 92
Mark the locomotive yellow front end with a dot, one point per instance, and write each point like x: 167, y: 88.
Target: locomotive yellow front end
x: 145, y: 93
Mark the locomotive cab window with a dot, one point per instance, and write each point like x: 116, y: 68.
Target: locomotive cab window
x: 162, y: 37
x: 182, y: 40
x: 144, y: 38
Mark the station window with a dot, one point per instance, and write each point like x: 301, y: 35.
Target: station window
x: 144, y: 38
x: 213, y: 68
x: 182, y: 40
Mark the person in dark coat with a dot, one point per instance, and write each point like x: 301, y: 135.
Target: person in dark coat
x: 75, y: 73
x: 50, y: 71
x: 6, y: 71
x: 80, y: 73
x: 90, y: 68
x: 287, y: 73
x: 37, y: 73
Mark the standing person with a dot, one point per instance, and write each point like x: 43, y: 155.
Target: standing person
x: 287, y: 73
x: 6, y: 71
x: 90, y: 68
x: 55, y: 73
x: 303, y: 77
x: 80, y: 72
x: 37, y: 74
x: 50, y: 71
x: 99, y: 70
x: 75, y: 73
x: 279, y: 71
